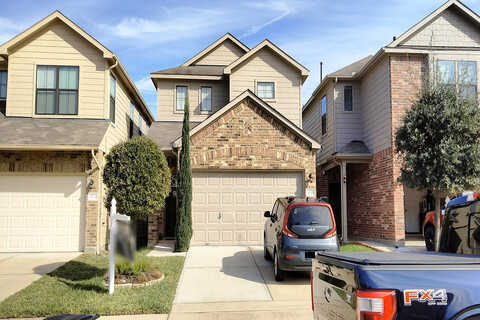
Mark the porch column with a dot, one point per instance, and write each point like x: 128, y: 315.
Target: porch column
x: 343, y: 193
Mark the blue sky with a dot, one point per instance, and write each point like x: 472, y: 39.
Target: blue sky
x: 155, y: 34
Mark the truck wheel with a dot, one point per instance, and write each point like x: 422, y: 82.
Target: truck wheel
x: 279, y: 274
x: 429, y: 236
x: 266, y: 254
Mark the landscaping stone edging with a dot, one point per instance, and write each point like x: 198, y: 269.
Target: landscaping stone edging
x: 137, y: 285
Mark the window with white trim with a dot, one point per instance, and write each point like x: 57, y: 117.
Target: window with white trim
x: 347, y: 98
x: 113, y: 93
x: 266, y: 90
x: 206, y: 99
x: 181, y: 97
x: 460, y: 76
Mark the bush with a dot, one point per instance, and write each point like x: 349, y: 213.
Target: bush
x: 127, y: 268
x: 137, y: 175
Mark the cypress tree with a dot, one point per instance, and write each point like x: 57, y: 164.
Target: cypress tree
x: 183, y: 230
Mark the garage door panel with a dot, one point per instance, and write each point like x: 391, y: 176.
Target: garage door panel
x: 41, y: 213
x: 241, y: 198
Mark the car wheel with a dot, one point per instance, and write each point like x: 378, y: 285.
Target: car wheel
x: 279, y: 274
x: 266, y: 254
x: 429, y: 236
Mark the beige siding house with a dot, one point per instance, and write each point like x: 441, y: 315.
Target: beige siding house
x: 247, y: 145
x: 67, y: 101
x: 357, y: 167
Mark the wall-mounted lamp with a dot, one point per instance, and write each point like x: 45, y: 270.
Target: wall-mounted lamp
x: 90, y: 184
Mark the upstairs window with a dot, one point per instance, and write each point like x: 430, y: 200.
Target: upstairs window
x: 347, y: 98
x: 181, y: 97
x: 113, y: 92
x: 3, y: 91
x: 57, y: 90
x: 139, y: 125
x: 460, y: 76
x: 324, y: 115
x: 206, y: 103
x: 132, y: 124
x: 266, y: 90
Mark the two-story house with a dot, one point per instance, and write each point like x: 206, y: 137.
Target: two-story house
x: 247, y: 145
x: 355, y: 111
x: 65, y: 100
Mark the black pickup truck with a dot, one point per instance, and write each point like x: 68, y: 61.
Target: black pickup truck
x: 395, y: 285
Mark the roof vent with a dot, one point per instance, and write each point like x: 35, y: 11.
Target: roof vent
x: 394, y: 38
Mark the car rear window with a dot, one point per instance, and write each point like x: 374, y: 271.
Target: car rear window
x: 310, y: 215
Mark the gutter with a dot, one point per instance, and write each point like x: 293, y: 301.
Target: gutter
x: 44, y: 147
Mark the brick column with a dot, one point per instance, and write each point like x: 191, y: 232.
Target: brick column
x: 93, y: 207
x: 156, y: 226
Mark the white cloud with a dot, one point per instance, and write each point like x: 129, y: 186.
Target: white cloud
x: 145, y: 85
x: 9, y: 29
x: 282, y: 9
x: 174, y: 24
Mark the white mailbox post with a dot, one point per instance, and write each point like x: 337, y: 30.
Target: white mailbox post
x: 114, y: 217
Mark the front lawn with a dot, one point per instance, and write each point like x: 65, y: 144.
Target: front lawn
x: 355, y: 248
x: 79, y: 287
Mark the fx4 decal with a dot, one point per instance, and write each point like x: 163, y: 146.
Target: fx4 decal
x: 432, y: 297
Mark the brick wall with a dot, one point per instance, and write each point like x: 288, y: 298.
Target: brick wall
x: 370, y: 200
x: 63, y: 162
x: 322, y: 183
x: 246, y: 137
x: 374, y: 195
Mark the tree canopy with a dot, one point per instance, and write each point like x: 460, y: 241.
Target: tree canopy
x: 137, y: 175
x: 439, y: 142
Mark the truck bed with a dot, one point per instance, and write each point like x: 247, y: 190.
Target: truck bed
x: 402, y: 258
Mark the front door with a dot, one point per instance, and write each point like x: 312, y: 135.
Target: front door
x: 334, y: 197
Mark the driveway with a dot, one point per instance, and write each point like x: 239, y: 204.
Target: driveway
x: 18, y: 270
x: 239, y: 282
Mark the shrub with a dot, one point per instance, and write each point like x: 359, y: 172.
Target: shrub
x: 137, y: 175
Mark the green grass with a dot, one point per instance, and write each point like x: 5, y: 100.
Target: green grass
x: 355, y: 248
x: 79, y: 287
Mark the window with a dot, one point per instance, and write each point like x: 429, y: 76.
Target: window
x: 3, y: 91
x: 181, y: 97
x: 461, y: 76
x: 113, y: 85
x: 139, y: 125
x: 206, y: 103
x: 347, y: 98
x: 132, y: 124
x: 57, y: 90
x: 324, y: 115
x: 266, y: 90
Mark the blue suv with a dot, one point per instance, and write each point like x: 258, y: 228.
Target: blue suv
x: 295, y: 230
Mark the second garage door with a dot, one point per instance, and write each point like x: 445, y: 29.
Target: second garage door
x: 228, y: 207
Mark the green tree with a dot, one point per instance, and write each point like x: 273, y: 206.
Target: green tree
x: 183, y: 228
x: 439, y: 144
x: 136, y: 173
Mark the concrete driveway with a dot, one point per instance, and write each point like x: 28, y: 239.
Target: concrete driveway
x: 18, y: 270
x: 220, y: 282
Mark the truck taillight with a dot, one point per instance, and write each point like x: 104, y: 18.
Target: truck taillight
x: 311, y: 290
x: 376, y: 305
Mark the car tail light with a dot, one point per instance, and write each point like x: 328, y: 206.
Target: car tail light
x: 376, y: 305
x: 311, y: 290
x: 285, y: 229
x: 331, y: 233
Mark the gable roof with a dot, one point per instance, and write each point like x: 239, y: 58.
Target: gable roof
x: 107, y: 54
x: 215, y: 44
x: 267, y: 44
x: 54, y: 16
x: 348, y: 72
x: 203, y: 72
x: 463, y: 8
x: 249, y: 94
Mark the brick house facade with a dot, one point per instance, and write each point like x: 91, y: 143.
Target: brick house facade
x: 360, y: 139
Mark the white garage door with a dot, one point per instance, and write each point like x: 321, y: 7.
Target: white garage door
x: 228, y: 207
x: 41, y: 213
